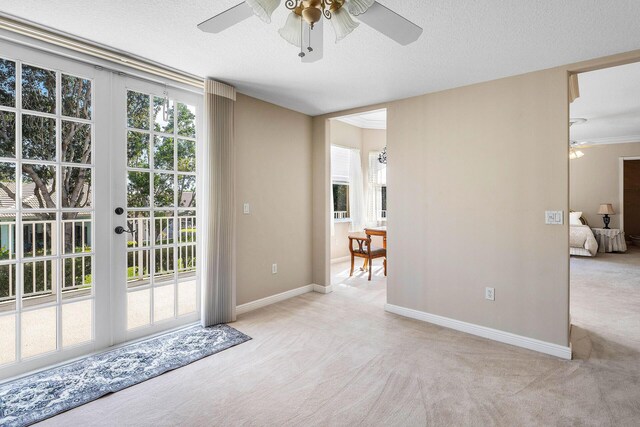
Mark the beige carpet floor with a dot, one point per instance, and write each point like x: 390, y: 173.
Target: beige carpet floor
x: 339, y: 359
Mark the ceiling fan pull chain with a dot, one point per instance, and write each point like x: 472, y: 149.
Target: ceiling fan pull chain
x: 301, y: 54
x: 309, y: 48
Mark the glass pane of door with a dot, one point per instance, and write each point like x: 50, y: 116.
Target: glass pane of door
x: 47, y: 128
x: 160, y: 210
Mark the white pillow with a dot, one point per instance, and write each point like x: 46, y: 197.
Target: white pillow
x: 574, y: 218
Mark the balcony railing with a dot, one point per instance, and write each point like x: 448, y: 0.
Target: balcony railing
x: 141, y: 236
x: 40, y: 240
x: 139, y: 261
x: 340, y: 214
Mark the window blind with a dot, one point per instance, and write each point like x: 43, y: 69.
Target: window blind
x: 377, y: 180
x: 340, y: 164
x: 377, y: 170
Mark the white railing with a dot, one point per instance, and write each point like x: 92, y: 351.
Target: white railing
x: 187, y: 229
x: 85, y: 234
x: 141, y: 232
x: 185, y: 253
x: 42, y: 238
x: 164, y: 246
x: 340, y: 215
x: 30, y: 231
x: 76, y: 233
x: 163, y: 231
x: 8, y: 229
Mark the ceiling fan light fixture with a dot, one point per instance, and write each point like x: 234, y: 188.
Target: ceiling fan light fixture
x: 575, y: 154
x: 342, y: 24
x: 291, y: 30
x: 358, y: 7
x: 263, y: 8
x: 311, y: 15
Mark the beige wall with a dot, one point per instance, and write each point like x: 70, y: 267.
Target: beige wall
x: 340, y: 240
x: 366, y: 140
x: 471, y: 172
x: 274, y: 176
x: 467, y: 207
x: 460, y: 161
x: 595, y: 179
x: 321, y: 195
x: 345, y: 135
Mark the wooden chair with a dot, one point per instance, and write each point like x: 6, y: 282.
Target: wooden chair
x: 364, y: 250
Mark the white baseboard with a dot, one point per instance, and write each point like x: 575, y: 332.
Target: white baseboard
x: 482, y: 331
x: 322, y: 289
x: 263, y: 302
x: 341, y: 259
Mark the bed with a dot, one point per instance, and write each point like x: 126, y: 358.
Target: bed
x: 582, y: 242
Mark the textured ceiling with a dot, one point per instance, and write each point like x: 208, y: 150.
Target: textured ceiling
x: 463, y: 42
x: 610, y: 101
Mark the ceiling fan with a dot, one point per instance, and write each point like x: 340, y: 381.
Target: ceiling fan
x: 574, y: 152
x: 304, y: 25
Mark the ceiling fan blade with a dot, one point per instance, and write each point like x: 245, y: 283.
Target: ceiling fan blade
x: 317, y: 43
x: 226, y: 19
x: 390, y: 24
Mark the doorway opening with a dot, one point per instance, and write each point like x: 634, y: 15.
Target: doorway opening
x: 604, y: 189
x: 358, y: 201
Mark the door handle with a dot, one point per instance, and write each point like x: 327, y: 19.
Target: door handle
x: 120, y: 229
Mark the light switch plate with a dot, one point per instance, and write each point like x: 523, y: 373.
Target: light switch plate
x: 554, y: 217
x: 245, y: 209
x: 490, y: 294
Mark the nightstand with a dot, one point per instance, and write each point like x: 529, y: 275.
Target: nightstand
x: 610, y: 239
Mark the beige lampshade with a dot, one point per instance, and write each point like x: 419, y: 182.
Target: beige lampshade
x: 606, y: 209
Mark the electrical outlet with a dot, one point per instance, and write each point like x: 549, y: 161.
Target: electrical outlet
x: 274, y: 268
x: 245, y: 209
x: 490, y: 294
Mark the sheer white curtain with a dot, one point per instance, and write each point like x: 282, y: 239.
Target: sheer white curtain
x: 333, y: 216
x: 377, y: 180
x: 356, y: 191
x: 218, y: 196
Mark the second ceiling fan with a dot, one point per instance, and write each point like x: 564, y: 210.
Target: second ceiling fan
x: 304, y: 25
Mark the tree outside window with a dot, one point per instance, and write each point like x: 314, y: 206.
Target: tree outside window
x: 341, y: 200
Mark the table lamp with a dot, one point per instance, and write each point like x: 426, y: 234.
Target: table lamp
x: 606, y: 209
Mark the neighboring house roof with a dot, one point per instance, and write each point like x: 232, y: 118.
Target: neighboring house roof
x: 186, y: 199
x: 28, y: 196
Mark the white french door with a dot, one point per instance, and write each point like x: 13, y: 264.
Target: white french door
x: 77, y: 142
x: 54, y: 278
x: 155, y: 184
